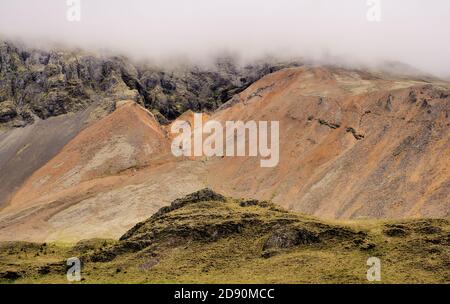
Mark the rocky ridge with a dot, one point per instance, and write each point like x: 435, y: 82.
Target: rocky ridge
x: 38, y: 84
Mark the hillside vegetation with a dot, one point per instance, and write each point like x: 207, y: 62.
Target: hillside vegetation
x: 207, y: 238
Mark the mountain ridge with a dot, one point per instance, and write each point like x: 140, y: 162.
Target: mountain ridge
x: 47, y: 83
x: 353, y: 146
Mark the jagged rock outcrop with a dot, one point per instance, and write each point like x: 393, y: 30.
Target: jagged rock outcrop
x: 43, y: 83
x: 343, y: 155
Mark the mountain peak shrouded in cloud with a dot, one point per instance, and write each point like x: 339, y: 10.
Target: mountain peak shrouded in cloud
x: 414, y: 32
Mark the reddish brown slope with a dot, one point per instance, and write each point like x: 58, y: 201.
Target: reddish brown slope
x: 351, y: 145
x: 100, y: 183
x: 128, y: 139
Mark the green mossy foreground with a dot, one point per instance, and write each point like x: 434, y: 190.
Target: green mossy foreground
x: 207, y: 238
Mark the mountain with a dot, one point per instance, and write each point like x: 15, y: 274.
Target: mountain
x: 341, y: 156
x: 205, y: 237
x: 354, y: 145
x: 38, y: 84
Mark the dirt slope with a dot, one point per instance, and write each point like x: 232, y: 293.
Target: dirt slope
x: 100, y: 182
x: 352, y: 145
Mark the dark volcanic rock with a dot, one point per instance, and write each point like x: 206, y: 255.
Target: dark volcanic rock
x: 10, y: 275
x: 203, y: 195
x: 290, y: 237
x: 339, y: 233
x: 396, y: 231
x: 248, y: 203
x: 51, y: 83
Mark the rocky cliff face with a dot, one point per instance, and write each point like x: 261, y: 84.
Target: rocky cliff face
x: 354, y: 144
x: 41, y: 84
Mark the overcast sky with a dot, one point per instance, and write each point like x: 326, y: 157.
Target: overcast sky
x: 416, y: 32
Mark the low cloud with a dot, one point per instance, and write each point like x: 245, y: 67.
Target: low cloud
x: 416, y: 32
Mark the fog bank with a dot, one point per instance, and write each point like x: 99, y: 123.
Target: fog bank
x: 416, y: 32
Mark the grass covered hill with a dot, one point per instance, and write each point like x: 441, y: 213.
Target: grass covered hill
x: 208, y: 238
